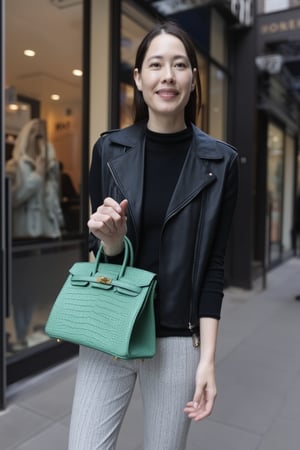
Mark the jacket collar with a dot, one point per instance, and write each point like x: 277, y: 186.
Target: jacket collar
x: 203, y: 145
x: 195, y: 175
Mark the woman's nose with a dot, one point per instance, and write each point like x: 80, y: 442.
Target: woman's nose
x: 168, y: 76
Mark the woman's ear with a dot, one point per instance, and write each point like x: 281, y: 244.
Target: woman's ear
x: 137, y: 79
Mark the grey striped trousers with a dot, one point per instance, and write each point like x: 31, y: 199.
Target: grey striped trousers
x: 104, y: 387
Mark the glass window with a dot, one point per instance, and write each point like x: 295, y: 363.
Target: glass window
x: 218, y: 38
x: 134, y: 25
x: 288, y: 193
x: 217, y: 103
x: 275, y: 189
x: 43, y: 155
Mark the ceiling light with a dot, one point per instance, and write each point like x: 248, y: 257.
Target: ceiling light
x: 13, y: 107
x: 29, y: 53
x: 77, y: 72
x: 55, y: 97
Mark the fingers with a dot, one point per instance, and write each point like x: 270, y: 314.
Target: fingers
x: 124, y: 206
x: 201, y: 406
x: 109, y: 220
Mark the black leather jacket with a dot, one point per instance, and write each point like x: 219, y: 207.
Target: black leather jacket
x: 197, y: 222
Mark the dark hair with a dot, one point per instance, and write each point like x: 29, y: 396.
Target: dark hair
x: 193, y: 106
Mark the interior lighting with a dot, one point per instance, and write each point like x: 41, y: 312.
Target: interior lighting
x: 55, y: 97
x: 77, y: 72
x: 29, y: 52
x: 13, y: 107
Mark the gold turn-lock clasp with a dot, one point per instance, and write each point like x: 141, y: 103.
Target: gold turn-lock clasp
x: 103, y: 280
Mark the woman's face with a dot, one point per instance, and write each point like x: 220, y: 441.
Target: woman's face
x: 166, y: 80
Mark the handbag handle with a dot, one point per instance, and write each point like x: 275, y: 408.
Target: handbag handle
x: 127, y: 260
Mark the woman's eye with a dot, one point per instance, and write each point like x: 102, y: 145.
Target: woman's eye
x: 155, y: 65
x: 180, y: 65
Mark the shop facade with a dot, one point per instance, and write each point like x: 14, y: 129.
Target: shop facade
x: 72, y: 83
x: 277, y: 151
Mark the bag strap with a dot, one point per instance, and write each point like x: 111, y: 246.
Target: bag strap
x: 127, y: 260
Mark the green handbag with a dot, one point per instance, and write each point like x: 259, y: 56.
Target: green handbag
x: 108, y: 307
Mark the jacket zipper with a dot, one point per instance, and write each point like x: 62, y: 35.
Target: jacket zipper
x: 116, y: 182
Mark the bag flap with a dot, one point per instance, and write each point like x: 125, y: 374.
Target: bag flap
x: 132, y: 275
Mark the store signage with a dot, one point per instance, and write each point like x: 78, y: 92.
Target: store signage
x: 242, y: 10
x: 283, y: 26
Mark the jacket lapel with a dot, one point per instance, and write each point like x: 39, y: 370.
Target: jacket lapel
x: 128, y: 170
x: 196, y: 173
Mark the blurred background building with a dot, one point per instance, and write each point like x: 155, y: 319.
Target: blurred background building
x: 69, y: 64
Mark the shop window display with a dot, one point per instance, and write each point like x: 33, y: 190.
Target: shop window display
x: 43, y: 137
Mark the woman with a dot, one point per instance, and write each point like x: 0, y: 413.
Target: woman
x: 27, y: 171
x: 172, y: 190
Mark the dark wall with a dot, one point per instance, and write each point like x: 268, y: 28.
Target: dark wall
x: 242, y: 134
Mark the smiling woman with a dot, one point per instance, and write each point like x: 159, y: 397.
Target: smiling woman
x: 171, y: 189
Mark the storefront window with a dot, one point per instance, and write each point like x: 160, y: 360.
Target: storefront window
x: 217, y: 103
x: 43, y: 153
x: 218, y: 39
x: 275, y: 190
x: 288, y: 194
x: 134, y: 25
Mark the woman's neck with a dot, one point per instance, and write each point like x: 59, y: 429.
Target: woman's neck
x: 165, y: 124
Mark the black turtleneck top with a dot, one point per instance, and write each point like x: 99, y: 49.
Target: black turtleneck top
x: 164, y: 158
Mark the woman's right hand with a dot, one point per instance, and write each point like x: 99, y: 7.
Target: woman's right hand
x: 40, y: 165
x: 109, y: 224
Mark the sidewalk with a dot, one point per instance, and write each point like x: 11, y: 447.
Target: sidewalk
x: 258, y: 378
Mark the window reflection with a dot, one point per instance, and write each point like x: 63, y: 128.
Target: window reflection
x: 217, y: 103
x: 43, y: 156
x: 35, y: 184
x: 132, y: 33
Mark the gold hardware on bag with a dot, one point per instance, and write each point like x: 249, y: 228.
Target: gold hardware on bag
x: 116, y: 358
x: 59, y: 341
x: 103, y: 280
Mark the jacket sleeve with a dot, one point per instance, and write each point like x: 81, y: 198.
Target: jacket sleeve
x: 213, y: 284
x: 97, y: 196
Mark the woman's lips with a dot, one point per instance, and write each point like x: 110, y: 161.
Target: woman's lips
x: 167, y: 93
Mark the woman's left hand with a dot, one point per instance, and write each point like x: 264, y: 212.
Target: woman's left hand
x: 205, y: 393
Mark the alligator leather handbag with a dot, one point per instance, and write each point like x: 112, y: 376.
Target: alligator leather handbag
x: 108, y: 307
